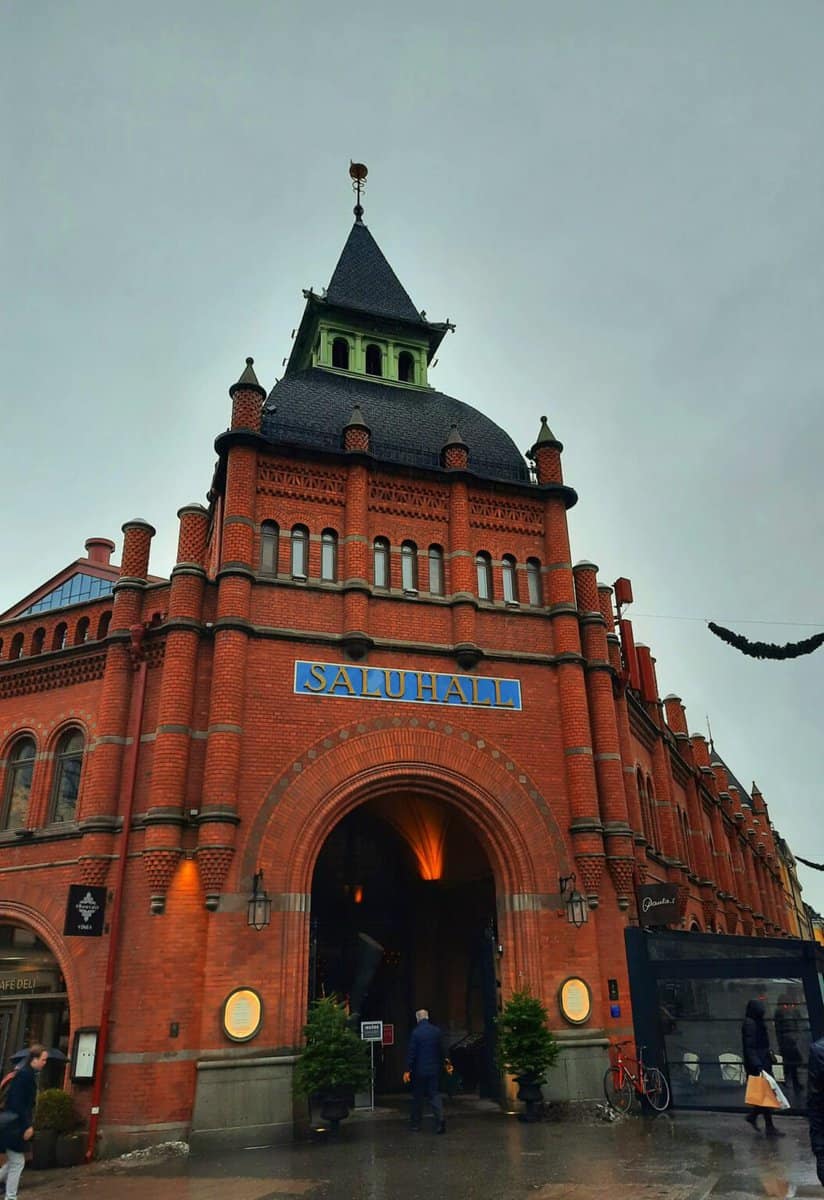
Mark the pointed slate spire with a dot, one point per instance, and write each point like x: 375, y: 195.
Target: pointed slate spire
x: 545, y: 438
x: 356, y: 433
x: 455, y: 452
x: 248, y: 381
x: 356, y: 420
x: 364, y: 280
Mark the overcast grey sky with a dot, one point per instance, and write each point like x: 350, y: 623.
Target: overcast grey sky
x: 619, y: 203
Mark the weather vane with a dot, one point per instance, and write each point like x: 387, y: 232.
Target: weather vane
x: 358, y: 173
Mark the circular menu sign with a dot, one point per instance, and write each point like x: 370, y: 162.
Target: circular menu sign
x: 575, y: 1001
x: 242, y: 1014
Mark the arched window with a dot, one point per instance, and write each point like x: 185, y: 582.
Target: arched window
x: 340, y: 353
x: 642, y: 797
x: 406, y: 367
x: 508, y: 569
x: 18, y: 784
x: 16, y: 648
x: 409, y: 566
x: 103, y: 625
x: 60, y: 637
x: 329, y: 555
x: 300, y: 552
x: 269, y: 547
x: 483, y: 566
x: 374, y: 360
x: 533, y: 582
x: 37, y: 641
x: 81, y: 634
x: 380, y: 560
x: 436, y: 580
x: 655, y: 824
x: 68, y: 761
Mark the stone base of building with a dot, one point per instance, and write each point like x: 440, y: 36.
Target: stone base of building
x: 578, y: 1073
x: 243, y: 1102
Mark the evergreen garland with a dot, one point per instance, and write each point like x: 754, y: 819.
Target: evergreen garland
x: 767, y: 649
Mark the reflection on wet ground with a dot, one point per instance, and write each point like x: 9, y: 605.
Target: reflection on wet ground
x: 485, y: 1154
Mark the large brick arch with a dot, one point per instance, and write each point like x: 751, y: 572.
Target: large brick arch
x: 390, y: 756
x: 22, y: 914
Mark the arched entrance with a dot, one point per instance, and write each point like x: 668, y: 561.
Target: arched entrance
x: 404, y: 917
x: 34, y: 1005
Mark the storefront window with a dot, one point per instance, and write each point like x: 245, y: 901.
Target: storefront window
x: 701, y: 1026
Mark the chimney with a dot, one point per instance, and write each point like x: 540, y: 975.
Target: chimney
x: 99, y: 550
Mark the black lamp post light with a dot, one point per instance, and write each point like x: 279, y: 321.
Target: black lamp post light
x: 259, y: 908
x: 574, y: 902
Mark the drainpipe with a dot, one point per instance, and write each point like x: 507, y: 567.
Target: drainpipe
x: 133, y: 751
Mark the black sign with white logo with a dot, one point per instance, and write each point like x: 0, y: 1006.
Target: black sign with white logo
x: 658, y: 904
x: 85, y: 911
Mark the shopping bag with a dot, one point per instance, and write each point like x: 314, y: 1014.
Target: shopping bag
x: 778, y: 1097
x: 759, y: 1094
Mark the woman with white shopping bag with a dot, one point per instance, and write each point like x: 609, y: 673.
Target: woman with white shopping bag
x: 763, y: 1093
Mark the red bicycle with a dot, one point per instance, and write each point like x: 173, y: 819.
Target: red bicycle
x: 621, y: 1081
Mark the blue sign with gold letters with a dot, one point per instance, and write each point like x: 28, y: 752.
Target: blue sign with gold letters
x: 406, y: 687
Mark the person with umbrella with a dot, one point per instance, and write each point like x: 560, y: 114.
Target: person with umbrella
x: 19, y: 1106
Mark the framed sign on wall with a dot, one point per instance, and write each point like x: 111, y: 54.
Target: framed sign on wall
x: 575, y: 1000
x: 242, y: 1015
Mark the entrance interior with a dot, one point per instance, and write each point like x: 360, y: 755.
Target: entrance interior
x: 403, y: 917
x: 33, y: 1002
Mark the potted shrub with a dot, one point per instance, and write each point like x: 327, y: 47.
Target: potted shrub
x: 334, y: 1064
x: 54, y: 1115
x: 526, y: 1048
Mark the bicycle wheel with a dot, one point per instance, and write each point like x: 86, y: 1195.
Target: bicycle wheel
x: 656, y: 1088
x: 617, y: 1091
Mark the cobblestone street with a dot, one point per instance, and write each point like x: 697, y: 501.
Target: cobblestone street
x: 486, y: 1155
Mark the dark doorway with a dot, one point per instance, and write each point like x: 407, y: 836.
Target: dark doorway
x: 403, y: 917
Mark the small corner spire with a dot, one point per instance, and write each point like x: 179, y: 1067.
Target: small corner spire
x: 356, y: 421
x: 454, y: 438
x: 358, y: 173
x: 248, y: 381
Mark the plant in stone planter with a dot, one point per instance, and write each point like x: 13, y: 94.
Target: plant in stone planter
x: 334, y: 1064
x: 54, y: 1116
x: 526, y: 1048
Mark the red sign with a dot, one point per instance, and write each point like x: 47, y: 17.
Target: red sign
x: 388, y: 1034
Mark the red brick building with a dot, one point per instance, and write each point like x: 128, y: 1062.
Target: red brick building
x: 376, y: 677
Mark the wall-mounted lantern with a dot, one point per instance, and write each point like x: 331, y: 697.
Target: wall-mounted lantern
x: 574, y: 902
x: 259, y: 909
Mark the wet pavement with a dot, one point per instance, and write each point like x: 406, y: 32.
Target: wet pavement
x: 485, y: 1154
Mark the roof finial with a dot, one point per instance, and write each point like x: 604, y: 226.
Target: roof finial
x: 358, y: 173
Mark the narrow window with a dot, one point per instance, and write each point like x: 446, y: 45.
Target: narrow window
x: 16, y: 649
x: 406, y: 367
x: 300, y: 552
x: 436, y: 581
x: 374, y: 360
x: 37, y: 641
x: 60, y: 636
x: 533, y: 580
x: 103, y: 625
x: 81, y: 634
x: 18, y: 784
x: 509, y: 581
x: 68, y: 762
x: 329, y: 555
x: 483, y: 565
x: 340, y: 354
x: 409, y: 567
x: 381, y: 563
x: 269, y: 548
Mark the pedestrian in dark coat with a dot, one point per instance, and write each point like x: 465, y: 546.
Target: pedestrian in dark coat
x: 20, y: 1100
x: 424, y: 1060
x: 815, y: 1103
x: 755, y: 1044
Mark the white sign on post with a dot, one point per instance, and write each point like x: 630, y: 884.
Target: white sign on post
x: 371, y: 1031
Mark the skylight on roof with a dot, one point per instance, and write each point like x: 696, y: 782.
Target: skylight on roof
x: 72, y: 591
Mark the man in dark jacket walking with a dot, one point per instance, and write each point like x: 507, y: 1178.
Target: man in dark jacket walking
x: 20, y: 1100
x: 755, y: 1045
x: 815, y: 1104
x: 424, y: 1060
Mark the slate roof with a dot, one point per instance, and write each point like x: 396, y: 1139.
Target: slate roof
x: 408, y: 425
x: 364, y: 280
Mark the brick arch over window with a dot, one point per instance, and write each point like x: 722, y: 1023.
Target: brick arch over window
x: 510, y: 818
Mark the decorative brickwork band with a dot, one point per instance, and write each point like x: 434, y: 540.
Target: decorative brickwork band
x: 94, y: 870
x: 160, y: 866
x: 709, y: 909
x: 214, y: 863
